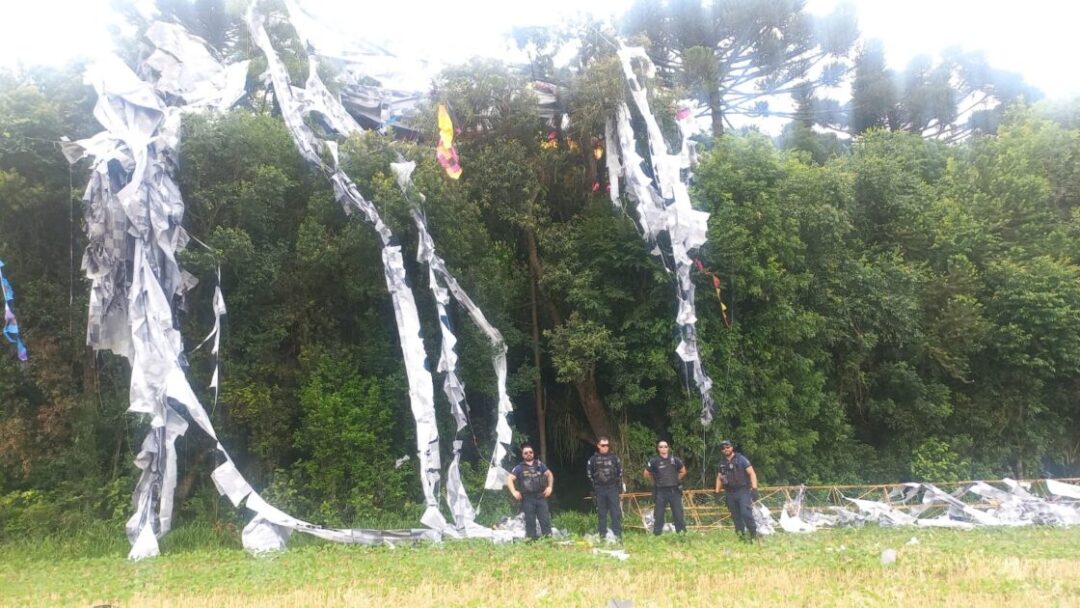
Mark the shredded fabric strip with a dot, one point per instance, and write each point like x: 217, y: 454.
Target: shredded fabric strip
x: 925, y: 505
x: 663, y: 205
x: 134, y: 214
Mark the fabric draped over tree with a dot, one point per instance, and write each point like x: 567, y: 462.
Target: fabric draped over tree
x: 134, y: 213
x: 663, y: 205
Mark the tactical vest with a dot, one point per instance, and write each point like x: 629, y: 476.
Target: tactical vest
x: 667, y: 472
x: 604, y: 470
x: 732, y: 475
x: 531, y: 480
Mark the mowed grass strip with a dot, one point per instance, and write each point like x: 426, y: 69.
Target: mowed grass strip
x: 998, y: 567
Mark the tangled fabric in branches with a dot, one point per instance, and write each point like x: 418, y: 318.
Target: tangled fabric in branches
x: 11, y: 326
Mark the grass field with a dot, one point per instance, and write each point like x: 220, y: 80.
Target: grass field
x: 987, y: 567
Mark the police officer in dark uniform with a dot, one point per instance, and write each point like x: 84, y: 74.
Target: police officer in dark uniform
x: 605, y: 474
x: 531, y: 483
x: 666, y: 471
x: 736, y: 477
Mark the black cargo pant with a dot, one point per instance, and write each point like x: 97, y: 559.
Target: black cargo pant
x: 535, y: 507
x: 664, y: 497
x: 607, y: 503
x: 741, y: 505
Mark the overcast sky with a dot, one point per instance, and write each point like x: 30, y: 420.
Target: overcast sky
x: 1034, y: 37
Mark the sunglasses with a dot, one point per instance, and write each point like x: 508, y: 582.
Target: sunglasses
x: 603, y: 445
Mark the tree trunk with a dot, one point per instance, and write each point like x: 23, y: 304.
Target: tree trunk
x: 593, y: 405
x: 592, y: 165
x: 1020, y: 444
x: 536, y: 271
x: 717, y: 111
x: 194, y: 471
x: 587, y: 390
x: 538, y: 384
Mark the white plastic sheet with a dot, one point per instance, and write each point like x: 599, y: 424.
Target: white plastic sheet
x: 663, y: 206
x: 454, y: 388
x: 926, y: 505
x: 133, y: 215
x: 315, y: 98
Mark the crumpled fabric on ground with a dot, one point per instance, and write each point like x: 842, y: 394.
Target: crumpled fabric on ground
x: 647, y: 520
x: 619, y: 554
x: 763, y: 519
x: 1015, y: 506
x: 513, y: 528
x: 926, y: 505
x: 1063, y: 490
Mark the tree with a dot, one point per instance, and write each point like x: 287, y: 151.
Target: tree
x: 777, y: 227
x: 733, y: 54
x: 958, y: 96
x: 800, y: 133
x: 873, y: 91
x: 61, y: 412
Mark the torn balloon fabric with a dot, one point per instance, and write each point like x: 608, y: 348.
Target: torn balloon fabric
x: 496, y: 477
x: 766, y: 525
x: 188, y: 70
x: 405, y: 311
x: 421, y: 394
x: 975, y: 504
x: 717, y: 284
x: 684, y: 118
x: 1064, y: 490
x: 215, y: 335
x: 453, y: 387
x: 133, y: 216
x: 402, y: 81
x: 317, y: 98
x: 663, y: 206
x: 133, y: 222
x: 11, y: 325
x: 614, y: 169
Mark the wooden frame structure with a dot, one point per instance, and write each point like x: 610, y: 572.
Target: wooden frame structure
x: 707, y: 511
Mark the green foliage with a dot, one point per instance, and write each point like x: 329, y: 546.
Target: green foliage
x: 347, y: 462
x: 935, y: 460
x: 64, y: 509
x: 898, y: 307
